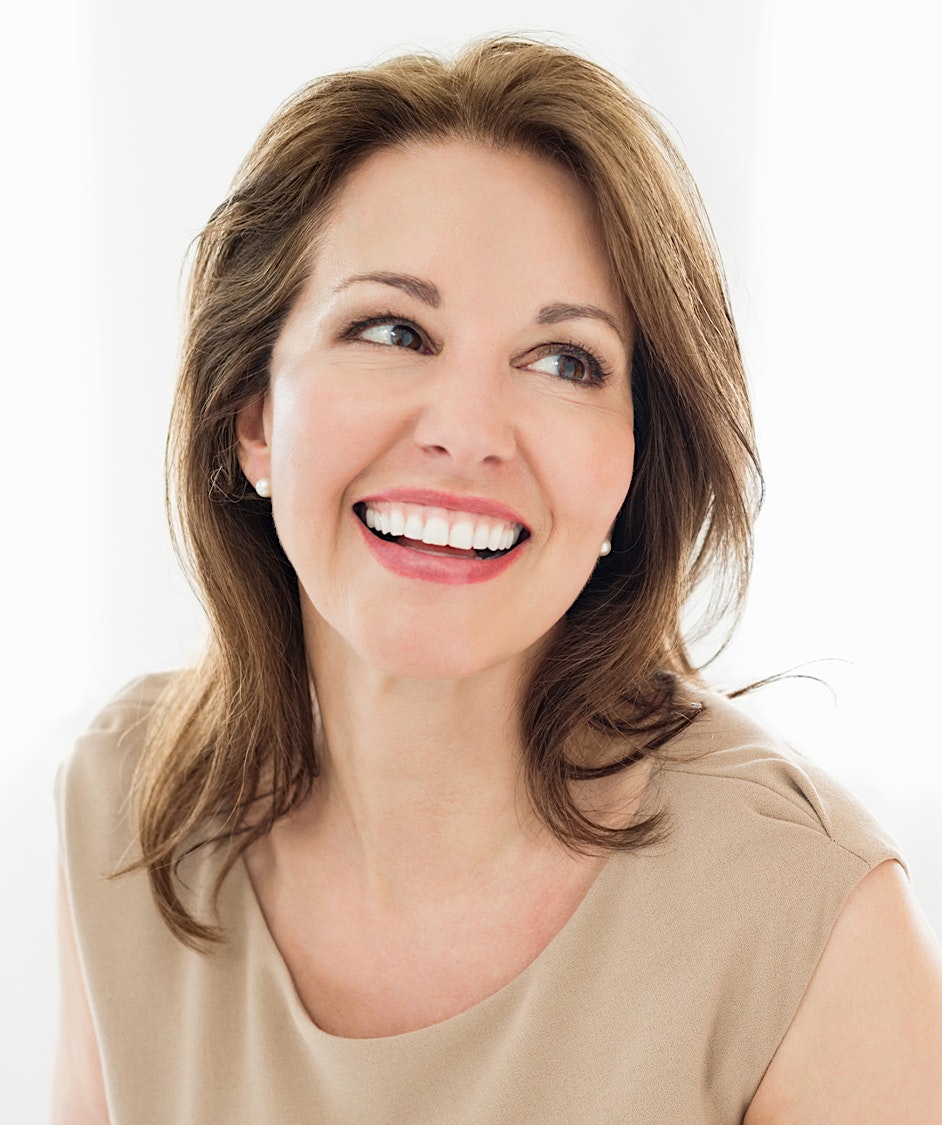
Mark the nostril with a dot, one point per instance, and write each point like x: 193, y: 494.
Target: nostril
x: 470, y: 429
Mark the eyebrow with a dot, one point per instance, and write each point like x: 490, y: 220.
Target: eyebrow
x: 423, y: 291
x: 554, y: 314
x: 428, y: 294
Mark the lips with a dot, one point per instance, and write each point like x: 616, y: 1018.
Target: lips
x: 438, y: 536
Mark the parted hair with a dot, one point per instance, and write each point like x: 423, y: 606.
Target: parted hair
x: 233, y: 745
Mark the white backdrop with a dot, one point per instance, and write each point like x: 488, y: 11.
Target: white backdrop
x: 809, y: 125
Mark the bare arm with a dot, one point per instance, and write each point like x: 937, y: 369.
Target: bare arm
x: 866, y: 1042
x: 78, y: 1092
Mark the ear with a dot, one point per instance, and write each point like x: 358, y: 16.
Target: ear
x: 253, y: 431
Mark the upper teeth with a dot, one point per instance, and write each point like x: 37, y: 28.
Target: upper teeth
x: 440, y: 527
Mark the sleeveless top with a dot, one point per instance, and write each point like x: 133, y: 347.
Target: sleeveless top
x: 662, y: 999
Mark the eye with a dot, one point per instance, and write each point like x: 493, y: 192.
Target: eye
x: 391, y: 333
x: 574, y: 365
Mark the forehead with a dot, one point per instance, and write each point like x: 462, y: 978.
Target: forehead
x: 465, y: 216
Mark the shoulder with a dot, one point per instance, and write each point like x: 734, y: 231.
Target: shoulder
x: 866, y: 1041
x: 122, y: 722
x: 743, y: 786
x: 94, y: 781
x: 764, y: 849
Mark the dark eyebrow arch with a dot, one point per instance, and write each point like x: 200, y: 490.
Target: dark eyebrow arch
x: 553, y: 314
x: 423, y: 291
x: 428, y: 294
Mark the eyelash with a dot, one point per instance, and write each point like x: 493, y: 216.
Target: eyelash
x: 597, y: 371
x: 358, y: 326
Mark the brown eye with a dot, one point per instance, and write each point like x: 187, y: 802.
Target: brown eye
x: 394, y: 335
x: 569, y: 366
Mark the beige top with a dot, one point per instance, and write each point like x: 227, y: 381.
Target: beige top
x: 661, y: 1001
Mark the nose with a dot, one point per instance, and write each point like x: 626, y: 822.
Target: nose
x: 467, y: 415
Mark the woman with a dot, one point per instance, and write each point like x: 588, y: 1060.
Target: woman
x: 445, y: 827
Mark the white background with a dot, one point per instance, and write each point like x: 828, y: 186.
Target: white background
x: 810, y: 126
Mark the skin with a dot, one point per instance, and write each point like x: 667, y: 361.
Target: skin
x: 479, y: 415
x: 426, y: 848
x: 417, y: 682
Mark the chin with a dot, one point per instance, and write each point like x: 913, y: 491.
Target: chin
x: 421, y: 644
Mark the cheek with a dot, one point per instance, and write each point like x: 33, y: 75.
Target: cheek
x: 318, y: 445
x: 592, y: 464
x: 323, y: 434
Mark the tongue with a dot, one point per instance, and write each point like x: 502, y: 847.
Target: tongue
x: 432, y: 549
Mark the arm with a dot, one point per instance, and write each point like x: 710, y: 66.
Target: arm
x: 78, y: 1092
x: 866, y: 1042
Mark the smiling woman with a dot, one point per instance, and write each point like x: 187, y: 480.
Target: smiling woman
x: 448, y: 400
x: 461, y: 426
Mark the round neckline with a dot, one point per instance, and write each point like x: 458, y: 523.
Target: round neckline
x: 262, y: 944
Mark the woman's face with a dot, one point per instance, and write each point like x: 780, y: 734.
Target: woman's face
x: 455, y: 371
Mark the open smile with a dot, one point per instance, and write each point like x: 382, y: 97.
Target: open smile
x: 437, y: 543
x: 441, y: 531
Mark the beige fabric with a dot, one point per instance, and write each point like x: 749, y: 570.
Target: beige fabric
x: 660, y: 1002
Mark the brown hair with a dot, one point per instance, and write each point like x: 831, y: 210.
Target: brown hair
x: 239, y: 728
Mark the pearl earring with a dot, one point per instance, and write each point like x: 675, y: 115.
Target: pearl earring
x: 263, y: 487
x: 605, y: 549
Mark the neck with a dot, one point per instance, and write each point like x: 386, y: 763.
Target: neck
x: 421, y: 780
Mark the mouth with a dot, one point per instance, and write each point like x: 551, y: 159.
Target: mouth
x: 440, y: 531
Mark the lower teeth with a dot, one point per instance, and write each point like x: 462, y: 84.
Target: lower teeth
x: 481, y: 553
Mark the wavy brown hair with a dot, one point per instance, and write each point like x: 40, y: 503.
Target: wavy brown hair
x: 238, y: 731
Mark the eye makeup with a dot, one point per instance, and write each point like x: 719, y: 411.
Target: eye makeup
x: 354, y: 330
x: 595, y: 372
